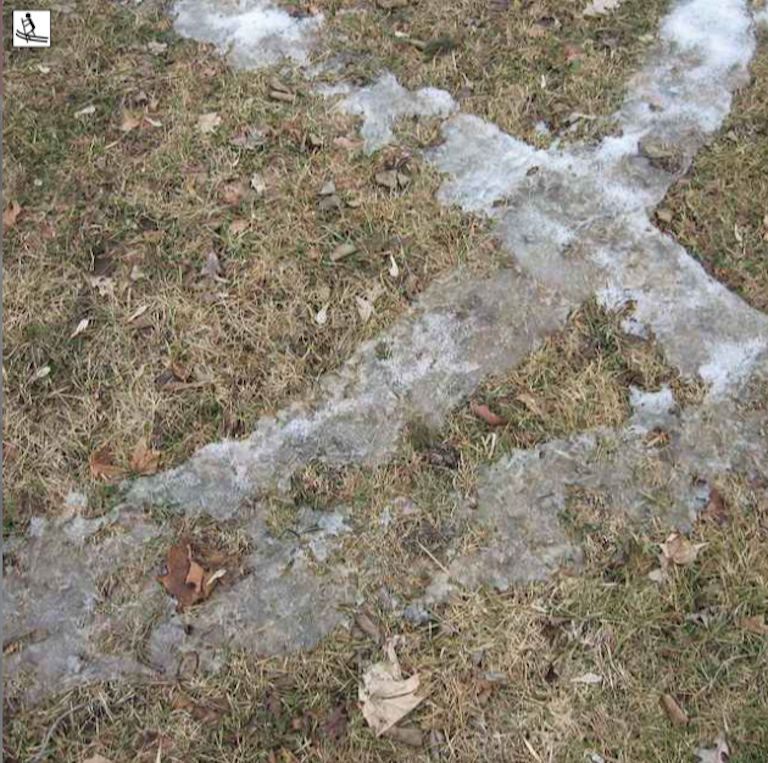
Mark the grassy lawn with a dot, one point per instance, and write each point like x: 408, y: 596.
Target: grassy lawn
x: 174, y: 284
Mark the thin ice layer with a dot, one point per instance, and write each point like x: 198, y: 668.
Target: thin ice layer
x: 580, y: 216
x: 522, y: 497
x: 386, y: 101
x: 253, y: 33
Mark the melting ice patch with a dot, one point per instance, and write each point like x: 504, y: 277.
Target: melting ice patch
x: 386, y: 101
x: 254, y: 33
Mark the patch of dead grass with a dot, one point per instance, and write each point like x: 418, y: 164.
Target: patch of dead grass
x: 719, y: 213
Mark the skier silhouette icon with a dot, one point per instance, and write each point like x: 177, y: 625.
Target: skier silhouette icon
x: 28, y: 33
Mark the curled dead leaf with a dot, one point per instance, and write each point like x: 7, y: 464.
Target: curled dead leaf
x: 184, y: 579
x: 385, y: 695
x: 144, y: 460
x: 487, y: 415
x: 11, y: 214
x: 677, y: 549
x: 676, y: 714
x: 102, y: 466
x: 208, y: 123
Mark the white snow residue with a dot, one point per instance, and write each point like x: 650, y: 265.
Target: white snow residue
x: 651, y: 404
x: 485, y: 163
x: 387, y: 100
x: 255, y: 33
x: 714, y: 31
x: 731, y: 363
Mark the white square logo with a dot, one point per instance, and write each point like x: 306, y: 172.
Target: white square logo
x: 31, y: 29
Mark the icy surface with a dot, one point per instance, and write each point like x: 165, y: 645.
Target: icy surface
x: 386, y: 101
x: 253, y: 33
x: 578, y: 218
x: 576, y: 222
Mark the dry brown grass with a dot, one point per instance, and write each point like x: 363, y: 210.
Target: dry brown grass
x: 143, y: 210
x: 720, y: 211
x: 500, y: 665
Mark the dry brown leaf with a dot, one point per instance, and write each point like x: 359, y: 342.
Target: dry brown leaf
x: 205, y: 713
x: 676, y: 714
x: 176, y: 580
x: 101, y: 464
x: 208, y: 123
x: 82, y: 326
x: 144, y: 460
x: 409, y: 735
x: 755, y: 624
x: 717, y: 509
x: 10, y: 215
x: 240, y: 226
x: 97, y: 759
x: 196, y: 577
x: 233, y: 193
x: 342, y: 251
x: 679, y: 550
x: 487, y: 415
x: 130, y: 121
x: 385, y: 695
x: 368, y: 626
x: 348, y: 144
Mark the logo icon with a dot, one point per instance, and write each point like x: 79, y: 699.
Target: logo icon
x: 31, y: 29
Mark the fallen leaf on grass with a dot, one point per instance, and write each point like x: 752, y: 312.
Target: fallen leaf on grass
x: 208, y: 123
x: 336, y: 724
x: 102, y: 466
x: 321, y: 317
x: 720, y: 753
x: 212, y: 267
x: 186, y: 580
x: 599, y: 7
x: 755, y: 624
x: 205, y: 713
x: 10, y: 215
x: 233, y: 193
x: 240, y: 226
x: 130, y: 121
x: 590, y: 679
x: 97, y: 759
x: 86, y: 112
x: 385, y: 695
x: 487, y: 415
x: 368, y: 625
x: 348, y: 144
x: 679, y: 550
x: 716, y: 510
x: 342, y: 251
x: 82, y: 326
x: 157, y: 47
x: 258, y: 184
x: 676, y: 714
x: 144, y: 460
x: 365, y: 308
x: 409, y: 735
